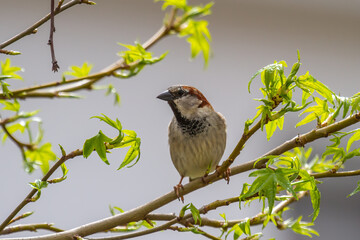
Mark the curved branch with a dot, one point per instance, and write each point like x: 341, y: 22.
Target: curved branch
x: 34, y: 191
x: 298, y: 141
x: 105, y: 72
x: 88, y: 81
x: 140, y: 212
x: 21, y: 145
x: 188, y: 219
x: 32, y: 29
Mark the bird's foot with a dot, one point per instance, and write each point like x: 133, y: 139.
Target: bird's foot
x: 204, y: 180
x: 225, y: 175
x: 177, y: 191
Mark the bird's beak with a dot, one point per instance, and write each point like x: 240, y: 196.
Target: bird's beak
x: 166, y: 96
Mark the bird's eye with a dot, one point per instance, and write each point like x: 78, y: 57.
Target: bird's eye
x: 181, y: 92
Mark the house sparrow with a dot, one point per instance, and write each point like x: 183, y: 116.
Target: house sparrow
x: 197, y: 134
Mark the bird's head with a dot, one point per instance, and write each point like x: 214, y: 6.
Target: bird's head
x: 187, y: 101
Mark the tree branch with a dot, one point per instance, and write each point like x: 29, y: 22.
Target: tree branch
x: 140, y: 212
x: 188, y: 219
x: 88, y: 81
x: 107, y: 71
x: 34, y: 191
x: 32, y: 29
x: 30, y: 227
x: 21, y: 145
x: 298, y: 141
x: 55, y: 66
x: 336, y: 174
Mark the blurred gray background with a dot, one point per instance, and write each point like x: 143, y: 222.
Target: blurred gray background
x: 247, y: 35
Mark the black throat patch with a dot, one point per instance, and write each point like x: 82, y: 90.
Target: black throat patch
x: 191, y: 127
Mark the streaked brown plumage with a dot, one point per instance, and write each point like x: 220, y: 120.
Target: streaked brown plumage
x: 197, y: 134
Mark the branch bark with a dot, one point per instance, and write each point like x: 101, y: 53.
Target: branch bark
x: 32, y: 29
x: 87, y: 82
x: 140, y: 212
x: 30, y: 227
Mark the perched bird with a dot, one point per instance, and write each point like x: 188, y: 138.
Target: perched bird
x: 197, y: 134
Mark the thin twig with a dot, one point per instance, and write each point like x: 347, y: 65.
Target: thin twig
x: 88, y: 81
x: 188, y: 219
x: 140, y: 233
x: 30, y: 227
x: 32, y: 29
x: 140, y: 212
x: 55, y: 66
x: 104, y: 72
x: 34, y: 191
x: 297, y: 141
x: 20, y: 144
x: 336, y: 174
x: 22, y: 216
x: 9, y: 52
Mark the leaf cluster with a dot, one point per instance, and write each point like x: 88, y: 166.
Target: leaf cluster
x: 136, y: 58
x: 196, y: 31
x: 102, y: 143
x: 35, y: 153
x: 8, y: 72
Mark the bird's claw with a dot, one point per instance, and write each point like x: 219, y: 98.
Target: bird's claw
x: 177, y: 192
x: 225, y: 175
x: 204, y: 180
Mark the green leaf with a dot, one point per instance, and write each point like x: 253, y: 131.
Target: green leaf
x: 11, y: 106
x: 138, y: 53
x: 308, y: 183
x: 270, y: 69
x: 196, y: 11
x: 63, y: 153
x: 338, y: 153
x: 79, y: 72
x: 271, y: 126
x: 38, y: 184
x: 199, y: 37
x: 5, y: 90
x: 320, y: 111
x: 97, y: 143
x: 355, y: 137
x: 42, y: 156
x: 134, y: 151
x: 241, y: 228
x: 8, y: 70
x: 137, y: 57
x: 301, y: 227
x: 355, y: 103
x: 181, y: 4
x: 115, y: 124
x: 112, y: 90
x: 309, y: 83
x: 356, y: 190
x: 63, y: 177
x: 266, y: 184
x: 13, y: 128
x: 245, y: 226
x: 195, y: 213
x: 294, y: 69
